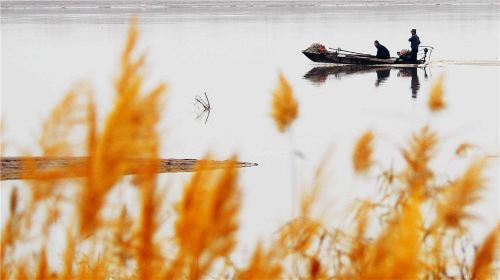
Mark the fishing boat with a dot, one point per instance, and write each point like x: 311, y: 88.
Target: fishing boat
x: 318, y: 53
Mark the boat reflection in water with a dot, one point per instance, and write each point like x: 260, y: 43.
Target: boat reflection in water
x: 382, y: 75
x: 319, y: 75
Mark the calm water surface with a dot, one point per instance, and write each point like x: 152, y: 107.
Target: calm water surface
x: 234, y: 52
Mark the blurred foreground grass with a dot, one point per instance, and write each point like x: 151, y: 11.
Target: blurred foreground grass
x: 390, y: 237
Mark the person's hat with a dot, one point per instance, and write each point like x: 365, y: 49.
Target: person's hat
x: 414, y: 30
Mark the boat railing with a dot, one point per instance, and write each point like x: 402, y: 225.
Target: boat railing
x: 425, y: 49
x: 339, y: 50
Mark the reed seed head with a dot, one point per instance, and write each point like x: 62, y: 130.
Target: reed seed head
x: 284, y: 106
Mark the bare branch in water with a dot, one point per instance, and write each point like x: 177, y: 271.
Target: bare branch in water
x: 205, y: 103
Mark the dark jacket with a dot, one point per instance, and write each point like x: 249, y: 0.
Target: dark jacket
x: 382, y: 52
x: 415, y: 41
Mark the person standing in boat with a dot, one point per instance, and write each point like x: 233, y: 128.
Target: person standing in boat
x: 415, y: 42
x: 382, y: 52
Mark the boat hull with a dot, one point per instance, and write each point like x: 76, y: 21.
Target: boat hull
x: 334, y: 57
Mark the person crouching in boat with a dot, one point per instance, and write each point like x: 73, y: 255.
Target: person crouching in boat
x: 415, y: 42
x: 382, y: 52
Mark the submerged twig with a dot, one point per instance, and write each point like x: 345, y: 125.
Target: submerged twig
x: 22, y: 168
x: 205, y: 103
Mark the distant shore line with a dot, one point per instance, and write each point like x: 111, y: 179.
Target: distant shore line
x: 47, y: 5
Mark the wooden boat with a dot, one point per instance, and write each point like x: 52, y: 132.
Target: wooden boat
x: 339, y: 56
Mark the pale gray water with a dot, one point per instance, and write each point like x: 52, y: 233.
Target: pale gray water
x: 234, y: 51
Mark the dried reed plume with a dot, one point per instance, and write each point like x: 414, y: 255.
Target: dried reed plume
x: 129, y: 132
x: 362, y: 154
x: 417, y: 156
x: 463, y: 148
x: 460, y: 194
x: 207, y: 220
x: 359, y: 247
x: 435, y: 101
x: 394, y: 254
x: 284, y: 106
x: 486, y: 255
x: 312, y: 193
x: 264, y: 264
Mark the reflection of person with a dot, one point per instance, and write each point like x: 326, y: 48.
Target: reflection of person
x: 414, y: 43
x: 415, y: 83
x: 382, y: 52
x: 382, y: 75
